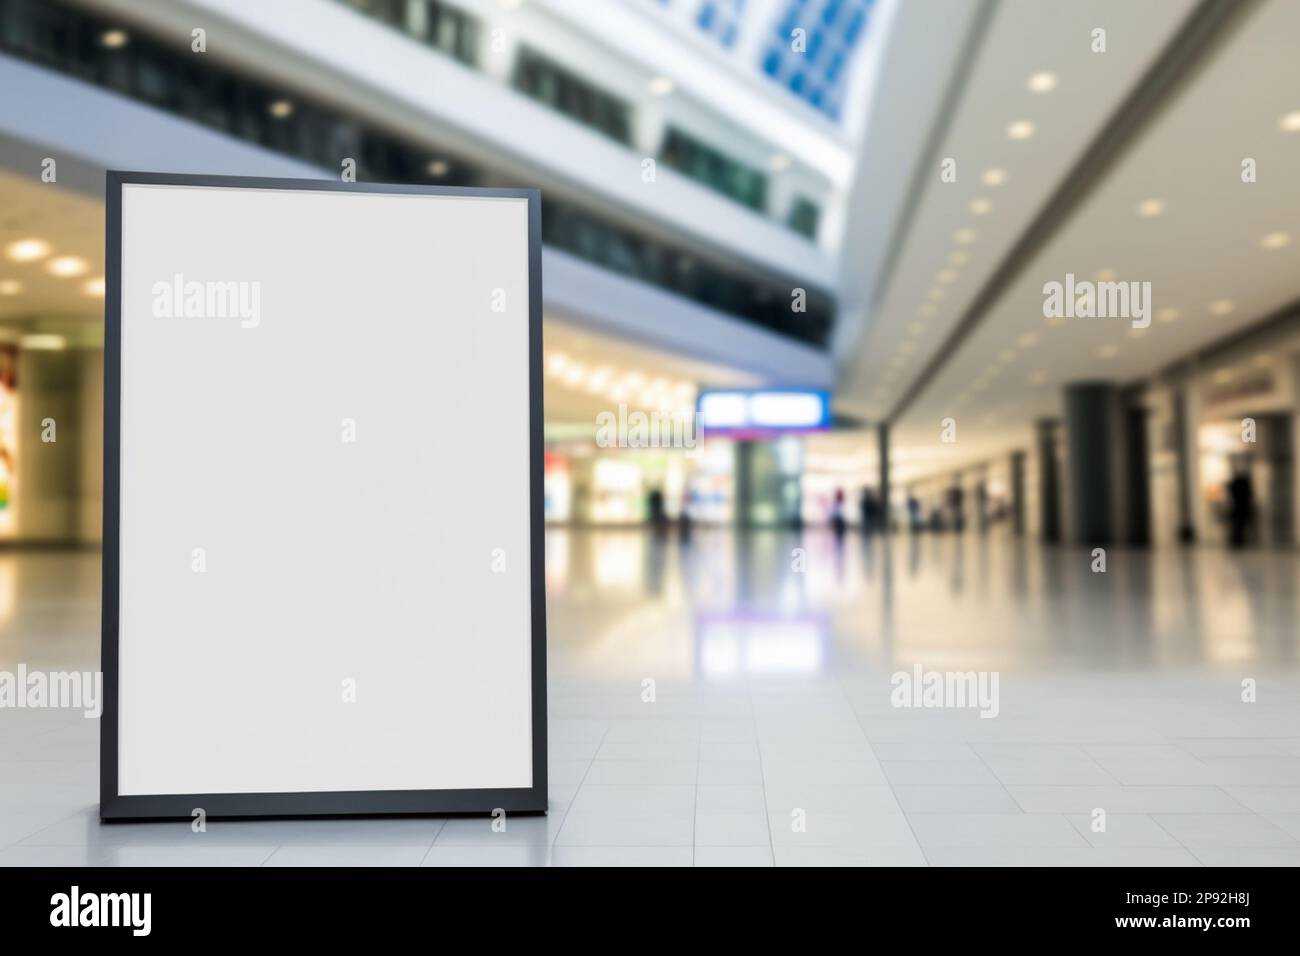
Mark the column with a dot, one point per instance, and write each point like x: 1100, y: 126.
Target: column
x: 1091, y: 440
x: 1049, y: 482
x: 886, y: 512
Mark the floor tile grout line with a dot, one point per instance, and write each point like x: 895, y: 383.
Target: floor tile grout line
x: 578, y: 789
x: 762, y: 775
x: 857, y: 717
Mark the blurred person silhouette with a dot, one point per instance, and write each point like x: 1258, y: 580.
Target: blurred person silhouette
x: 1241, y: 503
x: 658, y: 514
x: 915, y: 522
x: 955, y: 505
x: 838, y: 522
x: 869, y: 510
x: 684, y: 523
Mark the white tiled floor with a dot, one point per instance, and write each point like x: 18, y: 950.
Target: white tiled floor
x: 772, y: 739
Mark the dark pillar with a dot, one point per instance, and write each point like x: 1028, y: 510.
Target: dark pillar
x: 1275, y: 444
x: 1049, y: 483
x: 1018, y: 493
x: 885, y: 511
x: 1090, y: 435
x: 1186, y: 522
x: 1137, y: 469
x: 744, y: 484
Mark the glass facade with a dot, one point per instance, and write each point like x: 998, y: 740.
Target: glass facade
x: 811, y: 46
x: 76, y: 43
x: 721, y: 20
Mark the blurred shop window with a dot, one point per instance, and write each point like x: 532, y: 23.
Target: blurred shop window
x: 804, y: 217
x: 714, y: 169
x: 565, y: 92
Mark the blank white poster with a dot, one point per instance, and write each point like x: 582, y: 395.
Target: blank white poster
x: 324, y: 560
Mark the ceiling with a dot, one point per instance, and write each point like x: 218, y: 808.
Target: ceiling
x: 1173, y: 212
x: 950, y: 247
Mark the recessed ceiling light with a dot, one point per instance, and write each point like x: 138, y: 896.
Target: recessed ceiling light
x: 10, y: 287
x: 1105, y: 275
x: 1168, y: 314
x: 1038, y: 378
x: 959, y: 257
x: 1020, y: 129
x: 67, y: 267
x: 1290, y: 123
x: 1136, y: 332
x: 1056, y: 321
x: 1042, y: 82
x: 1275, y: 240
x: 1263, y: 360
x: 946, y: 275
x: 660, y: 86
x: 438, y: 168
x: 926, y: 310
x: 94, y: 287
x: 557, y: 362
x: 1108, y: 351
x: 980, y: 206
x: 964, y: 236
x: 1006, y: 355
x: 1221, y: 306
x: 994, y: 177
x: 778, y: 162
x: 114, y: 39
x: 935, y: 294
x: 1223, y: 375
x: 1028, y: 340
x: 916, y: 328
x: 27, y: 250
x: 280, y: 109
x: 1149, y: 208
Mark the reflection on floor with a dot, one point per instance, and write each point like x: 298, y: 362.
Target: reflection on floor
x: 733, y: 701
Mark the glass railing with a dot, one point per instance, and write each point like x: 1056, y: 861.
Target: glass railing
x: 132, y: 63
x: 714, y: 169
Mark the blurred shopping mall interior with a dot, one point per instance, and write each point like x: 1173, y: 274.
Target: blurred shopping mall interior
x: 863, y: 201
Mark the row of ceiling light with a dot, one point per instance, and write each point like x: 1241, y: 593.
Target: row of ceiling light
x: 994, y: 177
x: 32, y: 250
x: 616, y: 385
x: 1044, y: 82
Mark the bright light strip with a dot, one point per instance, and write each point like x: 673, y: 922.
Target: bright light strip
x: 724, y: 410
x: 785, y: 410
x: 764, y: 410
x: 43, y: 342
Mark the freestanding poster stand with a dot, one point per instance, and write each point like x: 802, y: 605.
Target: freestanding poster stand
x: 323, y: 573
